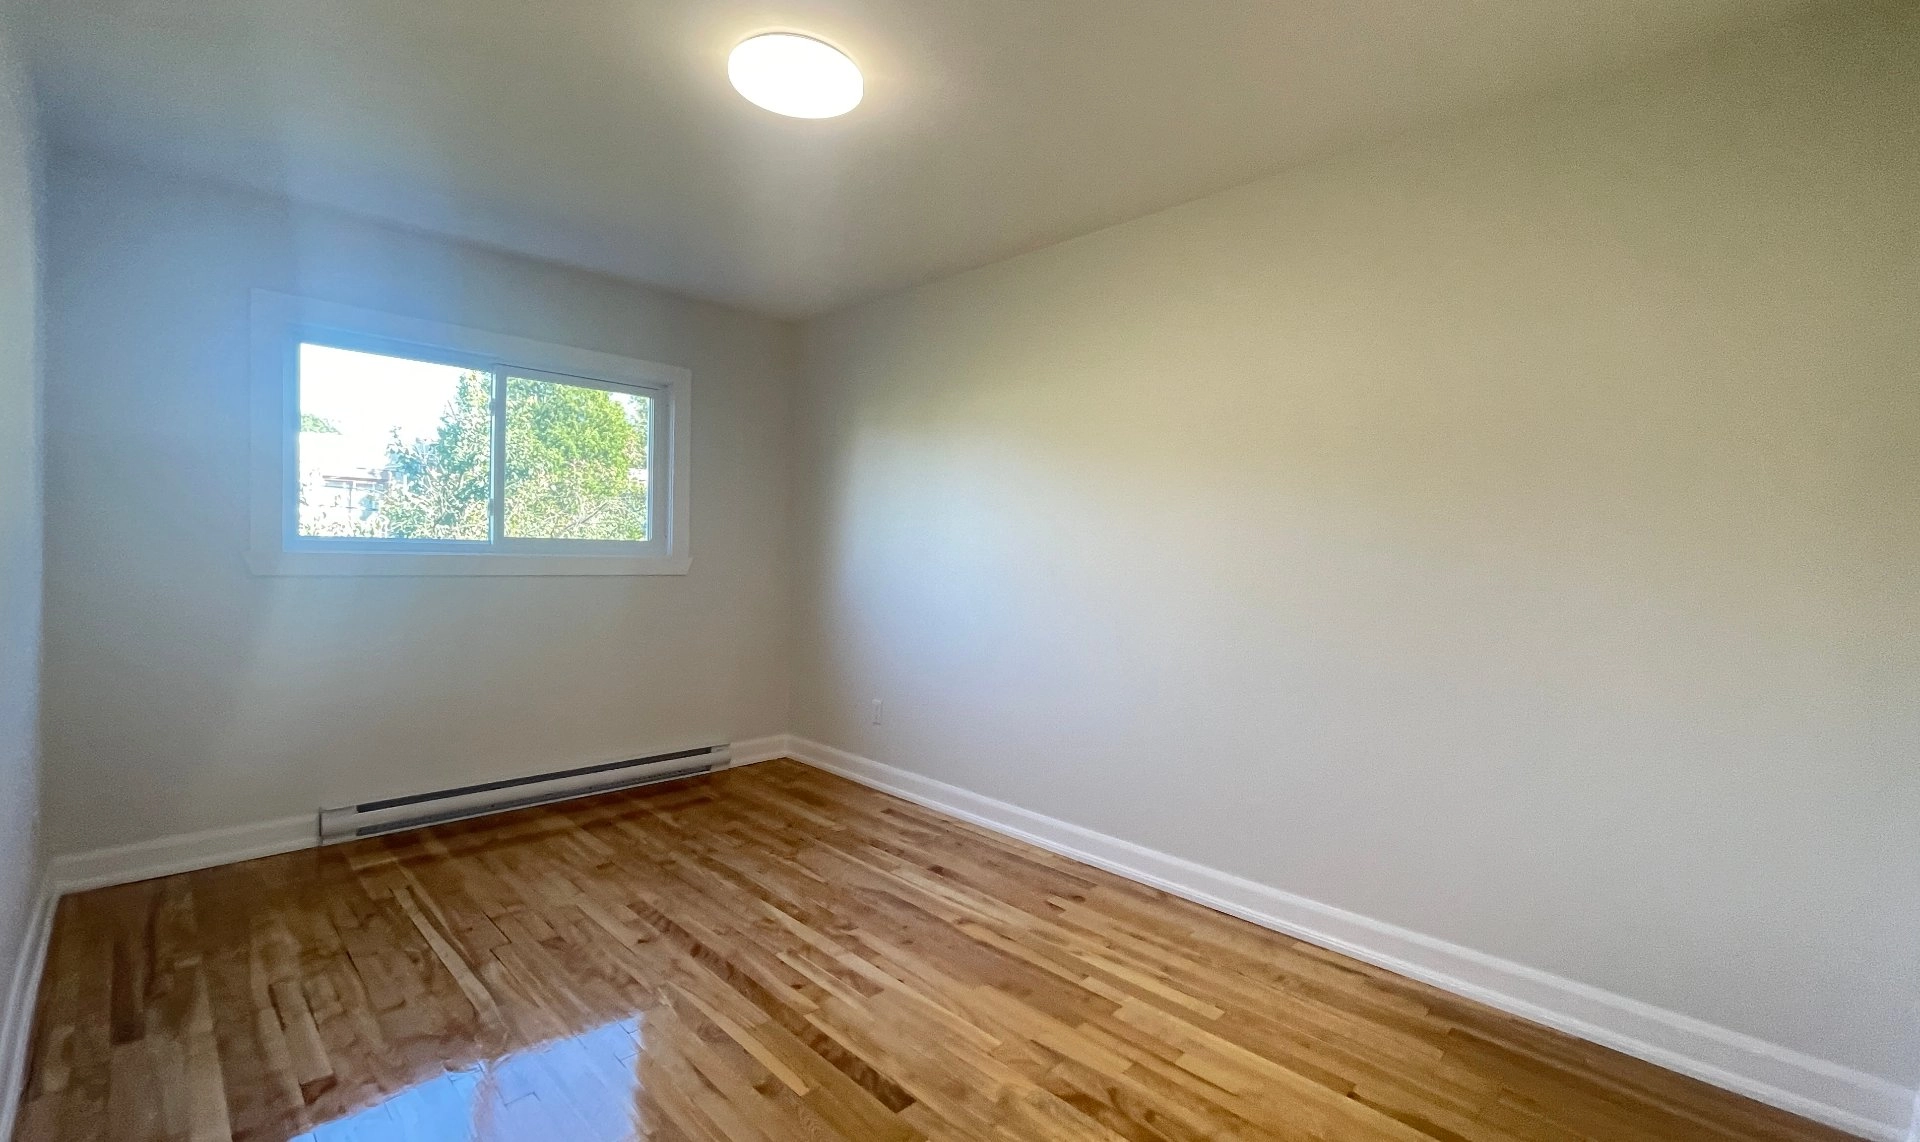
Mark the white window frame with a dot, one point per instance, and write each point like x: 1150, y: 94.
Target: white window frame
x: 281, y: 323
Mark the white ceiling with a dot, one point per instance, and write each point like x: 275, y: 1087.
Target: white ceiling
x: 603, y: 133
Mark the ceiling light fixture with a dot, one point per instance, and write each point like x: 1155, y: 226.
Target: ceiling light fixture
x: 795, y: 75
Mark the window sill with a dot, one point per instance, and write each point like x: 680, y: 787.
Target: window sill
x: 425, y: 565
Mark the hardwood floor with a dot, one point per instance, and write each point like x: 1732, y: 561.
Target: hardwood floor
x: 770, y: 953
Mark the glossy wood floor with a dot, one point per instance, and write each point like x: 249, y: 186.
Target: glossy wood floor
x: 770, y: 953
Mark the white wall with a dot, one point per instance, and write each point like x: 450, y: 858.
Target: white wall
x: 1509, y: 534
x: 183, y: 693
x: 20, y: 536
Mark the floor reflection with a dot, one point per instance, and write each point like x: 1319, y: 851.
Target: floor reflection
x: 582, y: 1087
x: 768, y: 955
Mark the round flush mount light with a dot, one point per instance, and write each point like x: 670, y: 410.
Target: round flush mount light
x: 795, y: 75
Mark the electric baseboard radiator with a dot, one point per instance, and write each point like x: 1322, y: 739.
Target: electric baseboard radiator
x: 412, y: 812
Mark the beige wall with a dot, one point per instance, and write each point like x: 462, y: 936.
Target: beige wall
x: 183, y: 693
x: 1511, y: 535
x: 20, y: 533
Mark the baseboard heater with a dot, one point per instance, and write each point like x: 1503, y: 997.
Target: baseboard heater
x: 395, y: 813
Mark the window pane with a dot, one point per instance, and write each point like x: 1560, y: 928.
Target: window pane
x: 391, y: 448
x: 576, y: 461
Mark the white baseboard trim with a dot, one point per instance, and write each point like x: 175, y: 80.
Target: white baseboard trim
x: 186, y: 852
x: 1826, y: 1092
x: 16, y: 1016
x: 164, y: 856
x: 755, y: 750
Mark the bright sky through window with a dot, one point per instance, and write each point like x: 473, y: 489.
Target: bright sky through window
x: 366, y: 398
x: 354, y: 409
x: 397, y: 449
x: 393, y: 446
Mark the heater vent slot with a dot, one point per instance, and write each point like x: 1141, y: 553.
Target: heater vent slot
x: 392, y: 814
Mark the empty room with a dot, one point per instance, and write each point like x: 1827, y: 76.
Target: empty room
x: 959, y: 570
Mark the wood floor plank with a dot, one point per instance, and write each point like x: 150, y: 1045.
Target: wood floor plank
x: 768, y: 954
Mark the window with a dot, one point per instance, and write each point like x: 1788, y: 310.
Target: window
x: 388, y: 446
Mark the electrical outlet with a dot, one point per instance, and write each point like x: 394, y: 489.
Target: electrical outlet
x: 876, y: 711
